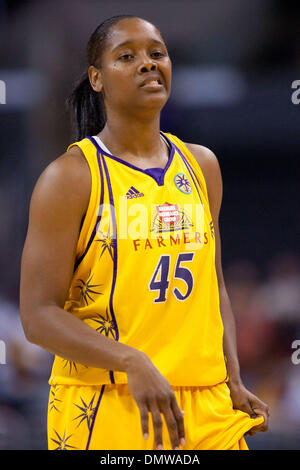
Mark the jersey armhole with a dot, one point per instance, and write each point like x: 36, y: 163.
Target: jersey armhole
x: 192, y: 161
x: 90, y: 216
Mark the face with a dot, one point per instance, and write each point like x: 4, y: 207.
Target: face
x: 135, y: 71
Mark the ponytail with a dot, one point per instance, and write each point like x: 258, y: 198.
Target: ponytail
x: 87, y: 109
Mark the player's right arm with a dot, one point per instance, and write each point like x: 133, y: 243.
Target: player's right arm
x: 58, y: 205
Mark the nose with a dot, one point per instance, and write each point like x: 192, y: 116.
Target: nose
x: 147, y: 66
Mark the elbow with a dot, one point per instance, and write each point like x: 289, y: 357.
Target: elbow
x: 29, y: 327
x: 30, y: 335
x: 29, y: 332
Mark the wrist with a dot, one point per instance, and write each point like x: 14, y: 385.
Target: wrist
x: 233, y: 373
x: 234, y: 381
x: 131, y: 358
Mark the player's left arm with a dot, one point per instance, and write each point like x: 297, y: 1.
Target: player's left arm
x: 242, y: 399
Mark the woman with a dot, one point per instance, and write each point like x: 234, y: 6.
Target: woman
x: 123, y: 251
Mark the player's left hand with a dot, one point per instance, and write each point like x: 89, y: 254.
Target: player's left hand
x: 245, y: 401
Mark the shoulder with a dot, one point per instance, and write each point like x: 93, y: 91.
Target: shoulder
x: 65, y: 180
x: 207, y: 160
x: 210, y: 168
x: 209, y: 165
x: 71, y: 166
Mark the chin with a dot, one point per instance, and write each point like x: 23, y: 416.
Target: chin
x: 157, y: 100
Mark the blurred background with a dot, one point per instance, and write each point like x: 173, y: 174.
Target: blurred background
x: 234, y: 63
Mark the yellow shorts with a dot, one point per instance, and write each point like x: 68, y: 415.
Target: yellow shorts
x: 107, y: 418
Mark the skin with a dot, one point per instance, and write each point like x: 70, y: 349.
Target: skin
x: 62, y: 192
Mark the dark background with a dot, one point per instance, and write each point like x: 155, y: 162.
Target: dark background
x: 234, y: 63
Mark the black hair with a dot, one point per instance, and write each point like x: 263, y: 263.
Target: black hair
x: 86, y: 105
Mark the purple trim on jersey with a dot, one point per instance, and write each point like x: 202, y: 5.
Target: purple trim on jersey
x: 115, y: 258
x: 98, y: 217
x: 159, y: 178
x: 191, y: 172
x: 156, y: 173
x: 111, y: 200
x: 94, y: 417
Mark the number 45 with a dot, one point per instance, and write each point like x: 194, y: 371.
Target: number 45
x: 161, y: 282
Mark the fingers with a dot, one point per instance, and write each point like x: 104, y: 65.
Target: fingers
x: 246, y: 407
x: 263, y: 427
x: 157, y: 425
x: 262, y: 410
x: 169, y: 408
x: 174, y: 422
x: 178, y: 414
x: 144, y: 419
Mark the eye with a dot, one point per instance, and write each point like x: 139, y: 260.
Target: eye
x: 157, y: 54
x: 126, y: 57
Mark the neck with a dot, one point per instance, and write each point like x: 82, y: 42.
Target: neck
x: 132, y: 137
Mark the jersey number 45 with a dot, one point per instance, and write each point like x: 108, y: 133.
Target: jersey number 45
x: 160, y: 279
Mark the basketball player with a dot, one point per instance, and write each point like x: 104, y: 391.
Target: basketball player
x: 121, y: 274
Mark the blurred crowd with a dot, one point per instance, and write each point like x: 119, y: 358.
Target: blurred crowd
x: 266, y: 304
x: 23, y: 385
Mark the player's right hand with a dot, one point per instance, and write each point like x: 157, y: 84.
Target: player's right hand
x: 153, y: 394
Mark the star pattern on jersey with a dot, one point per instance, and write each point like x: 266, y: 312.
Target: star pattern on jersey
x: 62, y: 441
x: 54, y: 399
x: 183, y: 183
x: 107, y: 324
x: 107, y: 241
x: 88, y: 411
x: 72, y: 365
x: 86, y: 289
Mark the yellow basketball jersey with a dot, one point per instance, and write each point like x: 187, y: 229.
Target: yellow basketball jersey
x: 145, y: 269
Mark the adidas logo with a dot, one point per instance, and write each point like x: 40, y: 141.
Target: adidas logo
x: 133, y: 193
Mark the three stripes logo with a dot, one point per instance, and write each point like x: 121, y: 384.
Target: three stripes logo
x: 133, y: 193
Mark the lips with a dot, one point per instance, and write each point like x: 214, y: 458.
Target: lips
x: 152, y: 81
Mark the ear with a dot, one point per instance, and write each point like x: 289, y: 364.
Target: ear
x: 95, y: 78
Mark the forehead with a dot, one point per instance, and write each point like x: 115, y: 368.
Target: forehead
x: 132, y: 30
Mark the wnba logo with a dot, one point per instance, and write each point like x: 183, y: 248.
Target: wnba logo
x: 2, y: 352
x: 2, y: 92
